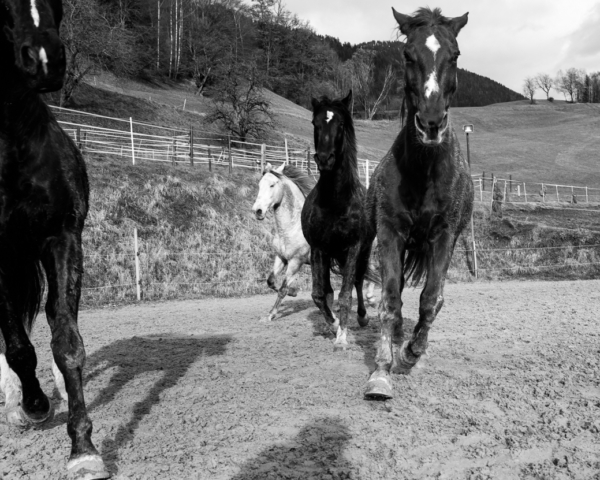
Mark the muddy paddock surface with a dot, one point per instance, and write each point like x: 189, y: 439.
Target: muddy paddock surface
x: 202, y: 390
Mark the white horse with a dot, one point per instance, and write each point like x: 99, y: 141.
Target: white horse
x: 10, y: 385
x: 284, y: 189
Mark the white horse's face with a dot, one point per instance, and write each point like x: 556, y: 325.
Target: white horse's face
x: 270, y: 195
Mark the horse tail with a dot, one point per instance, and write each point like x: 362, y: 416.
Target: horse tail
x: 27, y: 289
x: 415, y: 267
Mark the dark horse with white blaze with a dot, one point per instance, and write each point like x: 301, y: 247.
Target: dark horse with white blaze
x: 333, y: 217
x: 43, y: 206
x: 421, y: 194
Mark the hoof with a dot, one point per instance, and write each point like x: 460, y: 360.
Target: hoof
x: 266, y: 319
x: 87, y: 467
x: 17, y: 417
x: 340, y: 347
x: 292, y: 292
x: 405, y: 360
x: 362, y: 321
x: 379, y: 387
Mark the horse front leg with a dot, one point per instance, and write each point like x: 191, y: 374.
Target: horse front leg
x: 278, y: 266
x: 63, y: 262
x: 291, y: 274
x: 391, y: 253
x: 25, y: 402
x: 431, y: 301
x: 322, y: 293
x: 345, y: 297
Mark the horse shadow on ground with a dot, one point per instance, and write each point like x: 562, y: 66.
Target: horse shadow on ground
x: 316, y: 452
x: 290, y: 307
x: 136, y: 356
x: 363, y: 338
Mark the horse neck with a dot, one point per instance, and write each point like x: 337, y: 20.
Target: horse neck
x: 343, y: 180
x: 290, y: 208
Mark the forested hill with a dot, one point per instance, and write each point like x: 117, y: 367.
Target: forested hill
x: 229, y: 50
x: 478, y: 91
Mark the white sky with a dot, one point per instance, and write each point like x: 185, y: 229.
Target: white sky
x: 505, y: 40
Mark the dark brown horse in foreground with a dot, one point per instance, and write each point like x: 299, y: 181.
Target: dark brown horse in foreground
x: 43, y: 206
x: 333, y: 217
x: 421, y: 195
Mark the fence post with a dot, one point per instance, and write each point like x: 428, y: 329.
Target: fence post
x: 474, y: 247
x: 519, y: 191
x: 586, y: 196
x: 543, y: 194
x: 263, y: 148
x: 308, y: 161
x: 481, y: 190
x: 504, y: 193
x: 192, y: 146
x: 132, y: 145
x: 557, y: 197
x: 525, y: 192
x: 483, y: 180
x: 367, y: 173
x: 138, y: 287
x: 78, y: 138
x: 510, y: 182
x: 229, y: 153
x: 84, y: 141
x: 287, y: 155
x: 174, y: 152
x: 209, y: 160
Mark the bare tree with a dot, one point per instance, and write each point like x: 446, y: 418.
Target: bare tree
x: 569, y: 82
x: 239, y: 105
x: 529, y: 87
x: 544, y: 82
x: 94, y: 38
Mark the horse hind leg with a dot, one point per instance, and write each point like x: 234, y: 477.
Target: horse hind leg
x: 11, y: 387
x: 293, y: 267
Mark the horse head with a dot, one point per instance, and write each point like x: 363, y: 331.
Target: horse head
x: 332, y: 123
x: 31, y: 26
x: 430, y: 55
x: 270, y: 191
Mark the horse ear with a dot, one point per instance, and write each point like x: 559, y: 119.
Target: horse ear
x: 403, y: 21
x: 280, y: 167
x: 268, y: 167
x: 315, y: 103
x: 347, y: 102
x: 457, y: 23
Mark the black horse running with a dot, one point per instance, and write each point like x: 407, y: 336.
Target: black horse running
x: 43, y: 206
x: 421, y: 195
x: 333, y: 217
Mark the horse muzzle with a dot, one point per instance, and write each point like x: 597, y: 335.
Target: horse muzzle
x: 325, y: 161
x: 259, y: 214
x: 42, y: 61
x: 432, y: 128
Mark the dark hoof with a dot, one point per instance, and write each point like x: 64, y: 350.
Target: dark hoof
x: 362, y: 321
x: 405, y: 360
x: 17, y: 417
x: 292, y: 292
x: 87, y: 467
x: 379, y: 387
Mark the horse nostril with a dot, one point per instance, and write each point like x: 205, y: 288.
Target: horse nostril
x: 29, y: 58
x: 259, y: 212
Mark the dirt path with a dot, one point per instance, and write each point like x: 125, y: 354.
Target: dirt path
x: 201, y: 390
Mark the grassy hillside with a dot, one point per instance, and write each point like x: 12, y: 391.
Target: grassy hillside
x: 198, y: 237
x: 545, y: 142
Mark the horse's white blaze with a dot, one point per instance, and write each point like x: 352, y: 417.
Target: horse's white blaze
x: 35, y: 15
x: 431, y: 85
x: 329, y: 116
x: 44, y: 60
x: 432, y: 44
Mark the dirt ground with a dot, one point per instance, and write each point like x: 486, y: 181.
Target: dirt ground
x: 202, y: 390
